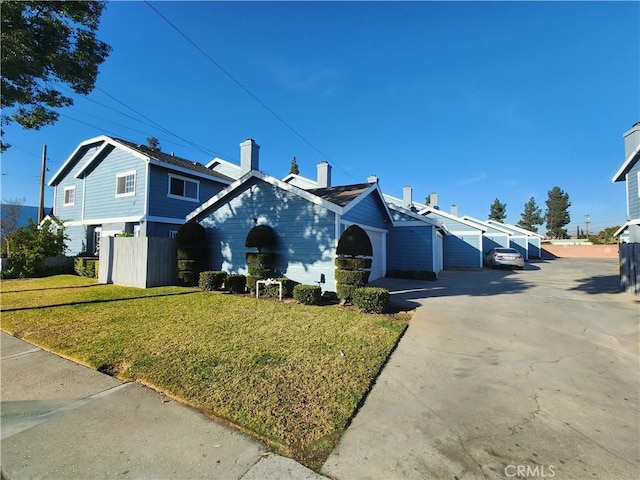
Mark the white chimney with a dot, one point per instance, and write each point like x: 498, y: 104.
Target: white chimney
x: 407, y: 197
x: 324, y: 174
x: 631, y: 139
x: 454, y: 210
x: 372, y: 179
x: 433, y: 201
x: 249, y: 153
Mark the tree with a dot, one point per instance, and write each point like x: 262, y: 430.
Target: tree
x: 531, y: 216
x: 498, y: 211
x: 10, y: 216
x: 557, y: 214
x: 45, y: 44
x: 294, y: 167
x: 153, y: 143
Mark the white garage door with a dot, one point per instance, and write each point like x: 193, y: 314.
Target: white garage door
x: 379, y: 264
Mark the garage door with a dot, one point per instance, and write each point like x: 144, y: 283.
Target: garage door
x: 379, y: 264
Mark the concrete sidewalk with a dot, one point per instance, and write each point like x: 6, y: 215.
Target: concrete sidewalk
x: 505, y: 374
x: 62, y: 420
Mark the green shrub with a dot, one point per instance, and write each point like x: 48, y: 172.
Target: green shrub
x: 191, y: 233
x: 345, y: 292
x: 353, y: 263
x: 236, y: 283
x: 186, y: 265
x: 261, y: 236
x: 413, y: 274
x: 358, y: 278
x: 354, y: 242
x: 86, y: 266
x: 212, y: 280
x: 371, y: 299
x: 307, y: 294
x: 188, y: 278
x: 259, y: 271
x: 258, y: 258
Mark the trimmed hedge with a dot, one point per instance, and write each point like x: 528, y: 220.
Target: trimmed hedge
x: 354, y: 241
x: 413, y: 274
x: 345, y: 292
x: 307, y: 294
x: 86, y: 266
x: 353, y: 263
x: 191, y: 253
x: 191, y: 233
x: 188, y: 278
x: 261, y: 236
x: 236, y: 283
x: 371, y: 299
x: 259, y: 271
x: 358, y: 278
x: 212, y: 280
x: 259, y: 258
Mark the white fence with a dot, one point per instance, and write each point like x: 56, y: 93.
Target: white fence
x: 138, y: 261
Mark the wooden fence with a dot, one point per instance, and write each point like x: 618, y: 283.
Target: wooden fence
x: 138, y: 261
x: 630, y: 267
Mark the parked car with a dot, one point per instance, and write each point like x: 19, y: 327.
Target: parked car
x: 504, y: 257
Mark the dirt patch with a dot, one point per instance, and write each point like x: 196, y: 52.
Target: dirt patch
x: 580, y: 251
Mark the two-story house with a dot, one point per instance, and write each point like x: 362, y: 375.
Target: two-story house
x: 629, y: 173
x: 110, y: 186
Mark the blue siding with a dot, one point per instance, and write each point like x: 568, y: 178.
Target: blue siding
x: 369, y: 211
x: 450, y: 224
x: 633, y: 192
x: 77, y: 239
x: 161, y: 205
x: 462, y: 250
x: 306, y: 232
x: 101, y: 201
x: 410, y: 248
x: 72, y: 212
x: 520, y: 243
x: 491, y: 240
x: 535, y: 249
x: 401, y: 217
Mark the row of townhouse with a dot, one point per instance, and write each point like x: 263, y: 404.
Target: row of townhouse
x: 109, y: 185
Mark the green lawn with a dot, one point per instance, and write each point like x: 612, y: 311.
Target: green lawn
x: 291, y: 374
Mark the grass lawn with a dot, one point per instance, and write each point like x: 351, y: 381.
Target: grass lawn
x: 291, y: 374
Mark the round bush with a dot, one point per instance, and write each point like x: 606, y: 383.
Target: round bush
x: 211, y: 280
x: 359, y: 278
x: 188, y: 278
x: 191, y: 233
x: 236, y: 283
x: 351, y: 263
x: 354, y: 241
x: 371, y: 299
x: 261, y: 236
x: 307, y: 294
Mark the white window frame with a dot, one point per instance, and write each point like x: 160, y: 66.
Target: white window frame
x: 183, y: 197
x: 125, y: 175
x: 73, y: 196
x: 173, y: 233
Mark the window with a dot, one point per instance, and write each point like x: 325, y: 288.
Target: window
x: 173, y: 233
x: 126, y: 184
x: 183, y: 188
x: 69, y: 196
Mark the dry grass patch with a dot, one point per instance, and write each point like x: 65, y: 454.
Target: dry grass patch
x: 291, y: 374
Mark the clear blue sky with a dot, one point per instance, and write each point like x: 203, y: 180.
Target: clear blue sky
x: 475, y: 101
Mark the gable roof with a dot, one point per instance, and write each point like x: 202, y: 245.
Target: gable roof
x: 415, y: 216
x: 628, y: 164
x: 219, y: 165
x: 515, y: 229
x: 499, y: 228
x: 346, y: 196
x: 141, y: 151
x: 434, y: 211
x: 300, y: 181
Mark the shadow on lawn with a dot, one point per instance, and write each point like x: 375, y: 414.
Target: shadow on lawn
x: 91, y: 302
x: 55, y: 288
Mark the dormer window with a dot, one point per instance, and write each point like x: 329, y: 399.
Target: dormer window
x: 183, y: 188
x: 126, y: 184
x: 69, y: 196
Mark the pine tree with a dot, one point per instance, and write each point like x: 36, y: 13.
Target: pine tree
x: 294, y: 167
x: 153, y: 143
x: 498, y: 211
x: 531, y: 216
x: 557, y: 215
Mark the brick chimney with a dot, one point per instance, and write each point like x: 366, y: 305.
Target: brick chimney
x: 249, y: 153
x: 407, y: 197
x: 324, y: 174
x: 631, y: 139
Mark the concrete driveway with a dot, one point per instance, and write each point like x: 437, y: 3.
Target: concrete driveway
x: 506, y: 374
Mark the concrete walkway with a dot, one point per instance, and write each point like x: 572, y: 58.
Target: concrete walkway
x: 61, y: 420
x: 506, y: 374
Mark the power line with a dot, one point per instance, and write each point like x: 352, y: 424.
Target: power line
x: 249, y: 92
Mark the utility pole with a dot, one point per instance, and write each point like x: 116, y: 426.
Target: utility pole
x: 588, y: 219
x: 42, y: 173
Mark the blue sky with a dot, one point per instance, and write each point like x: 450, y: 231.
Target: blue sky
x: 473, y: 100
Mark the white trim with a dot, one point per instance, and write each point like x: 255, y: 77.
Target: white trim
x: 435, y: 211
x: 635, y: 221
x: 187, y: 171
x: 91, y: 141
x: 626, y: 192
x: 405, y: 211
x: 303, y: 182
x: 100, y: 149
x: 174, y: 220
x: 516, y: 229
x: 101, y: 221
x: 185, y: 180
x: 638, y: 183
x: 146, y: 189
x: 374, y: 187
x: 626, y: 165
x: 71, y: 203
x: 480, y: 222
x: 125, y: 175
x: 459, y: 233
x: 363, y: 226
x: 219, y: 160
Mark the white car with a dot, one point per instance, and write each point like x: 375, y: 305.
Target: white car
x: 504, y: 257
